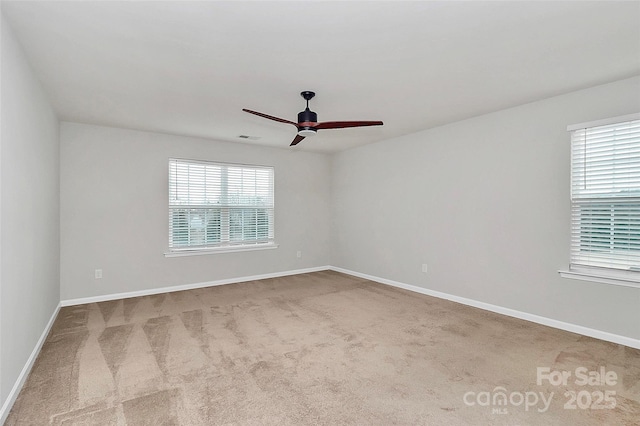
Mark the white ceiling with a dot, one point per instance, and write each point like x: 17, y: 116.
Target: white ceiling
x: 189, y: 68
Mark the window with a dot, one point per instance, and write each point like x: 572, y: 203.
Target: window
x: 605, y: 196
x: 219, y: 206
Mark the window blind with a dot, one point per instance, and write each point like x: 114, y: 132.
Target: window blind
x: 605, y: 196
x: 214, y: 205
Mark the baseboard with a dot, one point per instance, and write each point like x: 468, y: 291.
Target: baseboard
x: 585, y: 331
x: 574, y: 328
x: 11, y: 398
x: 127, y: 295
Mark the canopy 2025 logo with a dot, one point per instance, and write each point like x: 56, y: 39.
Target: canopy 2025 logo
x: 597, y: 399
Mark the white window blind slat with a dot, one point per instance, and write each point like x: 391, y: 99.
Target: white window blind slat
x: 214, y: 205
x: 605, y: 196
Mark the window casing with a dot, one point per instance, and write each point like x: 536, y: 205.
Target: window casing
x: 605, y: 197
x: 219, y: 206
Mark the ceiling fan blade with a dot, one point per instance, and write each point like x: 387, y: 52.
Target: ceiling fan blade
x: 297, y: 140
x: 270, y: 117
x: 343, y: 124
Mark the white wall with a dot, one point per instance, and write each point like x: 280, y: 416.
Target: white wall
x: 29, y: 171
x: 485, y: 203
x: 114, y: 213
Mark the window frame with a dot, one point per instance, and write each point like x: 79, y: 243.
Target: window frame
x: 225, y: 208
x: 602, y: 274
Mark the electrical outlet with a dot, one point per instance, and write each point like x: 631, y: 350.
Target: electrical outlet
x: 98, y: 274
x: 424, y: 268
x: 298, y: 254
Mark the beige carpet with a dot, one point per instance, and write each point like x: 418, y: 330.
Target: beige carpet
x: 320, y: 348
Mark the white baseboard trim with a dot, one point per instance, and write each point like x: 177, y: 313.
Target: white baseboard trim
x: 585, y: 331
x: 127, y: 295
x: 11, y: 398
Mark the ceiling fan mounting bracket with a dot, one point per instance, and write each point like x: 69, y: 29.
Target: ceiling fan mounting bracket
x: 307, y: 95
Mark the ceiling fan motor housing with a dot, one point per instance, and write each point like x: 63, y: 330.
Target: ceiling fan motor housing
x: 307, y: 116
x: 307, y: 119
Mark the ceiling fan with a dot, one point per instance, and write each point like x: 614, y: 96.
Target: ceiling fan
x: 308, y: 125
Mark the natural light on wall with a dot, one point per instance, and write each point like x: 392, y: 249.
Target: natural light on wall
x: 216, y: 207
x: 605, y: 197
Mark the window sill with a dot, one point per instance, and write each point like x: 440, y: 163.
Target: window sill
x: 612, y: 279
x: 229, y: 249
